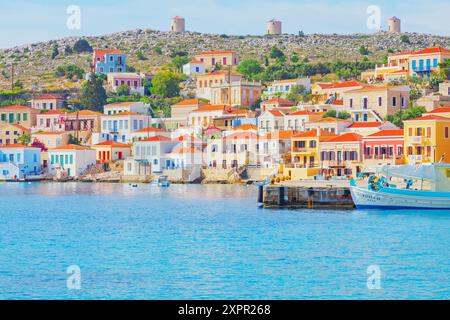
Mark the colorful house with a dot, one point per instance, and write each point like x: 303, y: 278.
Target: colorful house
x: 155, y: 151
x: 120, y: 126
x: 224, y: 58
x: 48, y: 102
x: 277, y: 103
x: 120, y: 107
x: 9, y: 133
x: 19, y: 162
x: 51, y: 139
x: 52, y: 120
x: 131, y: 79
x: 111, y: 151
x: 22, y: 115
x: 427, y: 140
x: 342, y: 155
x: 71, y: 159
x: 384, y: 147
x: 109, y: 61
x: 375, y: 103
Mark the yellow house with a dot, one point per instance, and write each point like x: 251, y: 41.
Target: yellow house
x: 305, y: 155
x: 427, y: 140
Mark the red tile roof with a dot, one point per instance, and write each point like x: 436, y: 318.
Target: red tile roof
x: 52, y: 112
x: 186, y: 150
x: 244, y: 127
x: 191, y: 102
x: 72, y: 147
x: 151, y: 129
x: 279, y: 100
x: 209, y: 108
x: 432, y: 50
x: 276, y: 113
x: 156, y: 138
x: 102, y: 52
x: 440, y: 110
x: 112, y: 144
x: 313, y: 133
x: 49, y: 96
x: 242, y: 135
x: 347, y: 84
x: 346, y: 137
x: 387, y: 133
x: 356, y: 125
x: 16, y: 107
x: 20, y: 127
x: 16, y: 146
x: 429, y: 118
x: 279, y: 135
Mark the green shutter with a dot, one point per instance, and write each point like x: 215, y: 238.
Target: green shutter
x: 25, y: 116
x: 3, y: 116
x: 11, y: 118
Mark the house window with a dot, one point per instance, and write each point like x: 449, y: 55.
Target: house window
x: 380, y: 101
x: 394, y: 101
x: 446, y: 133
x: 435, y: 63
x: 111, y: 58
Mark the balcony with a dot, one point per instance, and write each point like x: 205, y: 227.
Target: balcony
x: 303, y: 151
x: 416, y: 140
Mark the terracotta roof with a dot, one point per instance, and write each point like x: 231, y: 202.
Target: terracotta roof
x: 125, y: 113
x: 365, y: 125
x: 112, y: 144
x: 72, y: 147
x: 338, y: 102
x: 246, y: 126
x: 347, y: 84
x: 432, y: 50
x: 304, y: 113
x: 440, y: 110
x: 241, y: 135
x: 156, y: 138
x: 52, y: 112
x: 387, y: 133
x: 208, y: 108
x: 313, y: 133
x: 376, y: 88
x: 214, y: 52
x: 429, y: 118
x: 325, y: 85
x: 49, y: 96
x: 276, y: 113
x: 20, y: 127
x: 16, y: 146
x: 402, y: 53
x: 196, y: 61
x: 191, y: 102
x: 101, y: 52
x: 346, y: 137
x: 279, y: 135
x: 151, y: 129
x: 16, y: 107
x: 331, y: 119
x: 128, y: 103
x: 218, y: 73
x: 279, y: 100
x: 86, y: 113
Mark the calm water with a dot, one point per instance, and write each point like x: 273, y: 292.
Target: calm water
x: 210, y: 242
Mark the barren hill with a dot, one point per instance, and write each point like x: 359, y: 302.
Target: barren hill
x: 35, y: 68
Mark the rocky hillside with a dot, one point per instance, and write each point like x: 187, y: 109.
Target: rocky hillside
x: 35, y: 68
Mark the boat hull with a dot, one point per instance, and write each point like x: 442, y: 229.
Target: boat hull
x: 399, y: 199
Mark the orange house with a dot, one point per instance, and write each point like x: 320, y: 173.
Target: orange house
x: 224, y: 58
x: 111, y: 151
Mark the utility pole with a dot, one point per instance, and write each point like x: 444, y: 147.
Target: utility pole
x: 12, y: 76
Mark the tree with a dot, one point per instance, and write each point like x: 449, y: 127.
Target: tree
x: 71, y: 72
x: 250, y: 68
x: 344, y: 115
x: 55, y: 52
x: 405, y: 39
x: 297, y: 93
x: 24, y: 139
x: 294, y: 57
x: 445, y: 68
x: 276, y: 53
x: 123, y: 90
x: 406, y: 114
x: 140, y: 56
x: 179, y: 61
x: 82, y: 45
x: 330, y: 114
x: 166, y: 84
x: 93, y: 95
x: 364, y: 51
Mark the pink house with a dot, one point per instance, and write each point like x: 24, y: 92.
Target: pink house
x: 131, y: 79
x: 384, y: 147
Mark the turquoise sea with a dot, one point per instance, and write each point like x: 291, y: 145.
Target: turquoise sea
x: 210, y: 242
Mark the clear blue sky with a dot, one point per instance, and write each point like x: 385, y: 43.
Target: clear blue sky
x: 27, y: 21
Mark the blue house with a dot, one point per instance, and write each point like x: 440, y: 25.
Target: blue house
x: 19, y: 162
x: 109, y: 61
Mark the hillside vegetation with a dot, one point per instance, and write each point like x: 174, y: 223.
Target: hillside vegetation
x: 35, y: 65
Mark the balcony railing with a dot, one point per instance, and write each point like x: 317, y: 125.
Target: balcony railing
x: 416, y: 140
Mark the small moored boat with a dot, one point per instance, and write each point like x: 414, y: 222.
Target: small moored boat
x: 381, y: 193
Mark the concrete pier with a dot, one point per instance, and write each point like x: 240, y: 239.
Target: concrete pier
x: 275, y: 196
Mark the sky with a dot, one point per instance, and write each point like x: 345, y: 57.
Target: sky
x: 29, y: 21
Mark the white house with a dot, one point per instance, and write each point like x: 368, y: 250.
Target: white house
x: 52, y: 120
x: 297, y: 120
x: 18, y: 162
x: 149, y: 132
x: 155, y: 151
x: 186, y: 157
x: 194, y: 67
x: 272, y: 120
x: 120, y: 107
x: 332, y: 125
x: 273, y: 146
x: 204, y: 116
x: 120, y: 126
x: 72, y: 159
x: 283, y: 87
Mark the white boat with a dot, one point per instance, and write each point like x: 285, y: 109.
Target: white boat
x: 381, y: 194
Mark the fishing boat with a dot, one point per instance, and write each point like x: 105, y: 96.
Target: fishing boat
x: 424, y: 187
x: 262, y: 183
x: 163, y: 181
